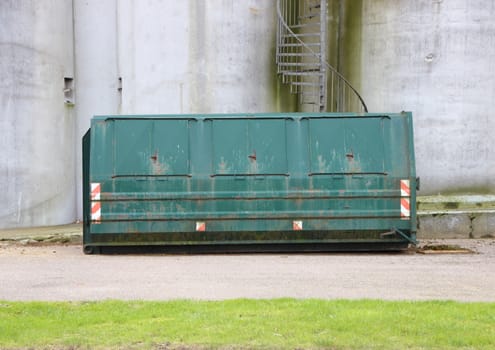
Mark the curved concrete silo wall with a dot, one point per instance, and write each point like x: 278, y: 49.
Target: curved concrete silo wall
x: 437, y: 59
x: 96, y: 67
x: 37, y: 170
x: 196, y: 56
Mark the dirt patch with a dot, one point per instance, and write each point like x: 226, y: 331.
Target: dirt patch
x: 47, y: 234
x: 443, y: 249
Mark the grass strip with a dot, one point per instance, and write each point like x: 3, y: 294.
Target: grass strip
x: 247, y: 324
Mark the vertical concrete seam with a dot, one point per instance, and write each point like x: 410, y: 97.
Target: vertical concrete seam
x: 74, y: 113
x: 471, y: 227
x: 117, y: 60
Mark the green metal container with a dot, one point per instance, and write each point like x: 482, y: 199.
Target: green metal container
x: 270, y: 182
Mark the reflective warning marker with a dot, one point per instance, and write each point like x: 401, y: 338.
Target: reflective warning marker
x: 200, y: 226
x: 95, y: 202
x: 297, y: 225
x: 405, y: 193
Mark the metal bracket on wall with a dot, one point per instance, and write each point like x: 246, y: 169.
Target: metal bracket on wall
x: 69, y: 91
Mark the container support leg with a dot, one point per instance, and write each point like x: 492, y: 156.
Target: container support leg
x: 406, y: 237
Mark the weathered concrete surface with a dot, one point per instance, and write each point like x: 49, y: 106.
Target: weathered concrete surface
x: 456, y: 225
x: 484, y: 225
x: 37, y: 143
x: 456, y: 216
x: 62, y: 233
x: 444, y: 226
x: 64, y: 273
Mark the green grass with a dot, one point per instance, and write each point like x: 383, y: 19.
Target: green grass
x: 247, y: 324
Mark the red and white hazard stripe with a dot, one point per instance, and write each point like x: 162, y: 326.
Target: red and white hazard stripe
x: 95, y: 202
x: 200, y: 226
x: 297, y: 225
x: 405, y: 199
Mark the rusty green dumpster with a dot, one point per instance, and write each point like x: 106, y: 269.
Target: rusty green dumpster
x: 250, y: 182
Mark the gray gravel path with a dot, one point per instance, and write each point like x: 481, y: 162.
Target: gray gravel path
x: 63, y: 273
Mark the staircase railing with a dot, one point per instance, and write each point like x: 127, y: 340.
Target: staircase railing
x: 301, y: 59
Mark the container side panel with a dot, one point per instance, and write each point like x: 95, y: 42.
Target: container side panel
x: 347, y: 145
x: 151, y: 148
x: 268, y: 146
x: 170, y: 148
x: 230, y: 147
x: 397, y: 150
x: 102, y: 161
x: 249, y: 147
x: 327, y: 146
x: 364, y: 145
x: 132, y: 142
x: 239, y: 180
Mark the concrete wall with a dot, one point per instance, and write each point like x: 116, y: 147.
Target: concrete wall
x: 197, y: 56
x: 435, y: 58
x: 37, y: 172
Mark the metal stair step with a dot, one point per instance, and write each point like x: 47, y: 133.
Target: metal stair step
x: 314, y: 70
x: 305, y: 25
x: 297, y: 73
x: 298, y: 45
x: 295, y: 54
x: 295, y: 79
x: 300, y: 64
x: 302, y: 83
x: 310, y: 16
x: 302, y: 59
x: 297, y: 82
x: 312, y: 63
x: 311, y: 95
x: 301, y: 35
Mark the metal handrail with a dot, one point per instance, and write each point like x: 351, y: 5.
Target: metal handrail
x: 335, y: 71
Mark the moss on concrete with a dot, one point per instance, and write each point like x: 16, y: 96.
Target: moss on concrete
x: 447, y: 203
x: 351, y: 41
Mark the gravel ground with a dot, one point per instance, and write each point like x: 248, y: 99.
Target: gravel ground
x: 63, y: 272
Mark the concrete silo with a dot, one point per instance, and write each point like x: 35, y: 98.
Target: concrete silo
x: 37, y: 171
x: 436, y: 58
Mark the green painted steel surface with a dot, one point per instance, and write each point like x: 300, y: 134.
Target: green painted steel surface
x: 249, y: 179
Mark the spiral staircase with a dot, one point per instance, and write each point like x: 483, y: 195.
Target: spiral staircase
x: 301, y: 59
